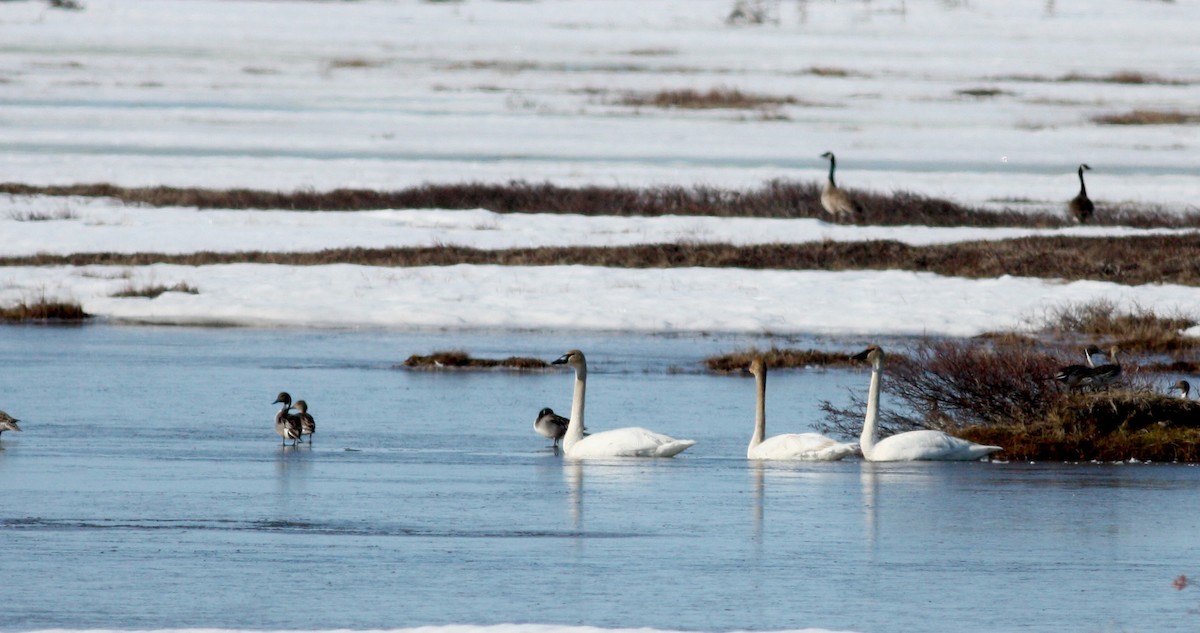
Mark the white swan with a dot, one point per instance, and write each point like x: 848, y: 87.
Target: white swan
x: 625, y: 442
x: 911, y: 445
x: 797, y: 446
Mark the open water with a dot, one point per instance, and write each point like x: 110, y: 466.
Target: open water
x: 150, y: 491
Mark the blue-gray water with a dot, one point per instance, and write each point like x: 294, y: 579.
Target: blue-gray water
x: 149, y: 490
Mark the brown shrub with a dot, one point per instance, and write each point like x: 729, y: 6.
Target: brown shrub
x: 43, y: 310
x: 459, y: 359
x: 1148, y: 117
x: 1007, y: 397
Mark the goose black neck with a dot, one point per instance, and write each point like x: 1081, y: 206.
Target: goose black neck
x: 1082, y: 187
x: 832, y: 166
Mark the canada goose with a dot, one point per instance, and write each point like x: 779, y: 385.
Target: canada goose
x: 308, y: 425
x: 835, y: 201
x: 1184, y: 389
x: 8, y: 423
x: 795, y: 446
x: 550, y: 425
x: 624, y: 442
x: 1081, y: 206
x: 1073, y: 375
x: 911, y: 445
x: 287, y: 425
x: 1104, y: 375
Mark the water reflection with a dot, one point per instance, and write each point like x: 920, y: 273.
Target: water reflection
x: 757, y: 470
x: 869, y: 483
x: 573, y: 473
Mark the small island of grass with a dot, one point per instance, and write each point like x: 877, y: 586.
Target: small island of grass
x: 459, y: 360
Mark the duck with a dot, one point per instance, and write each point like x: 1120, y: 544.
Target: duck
x: 834, y: 200
x: 925, y: 445
x: 550, y: 425
x: 789, y: 446
x: 623, y: 442
x: 1073, y: 375
x: 1106, y: 374
x: 308, y: 425
x: 1181, y: 389
x: 8, y: 423
x: 287, y: 424
x: 1081, y: 206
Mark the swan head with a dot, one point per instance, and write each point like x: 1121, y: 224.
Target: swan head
x: 301, y: 406
x: 757, y: 367
x: 873, y: 355
x: 573, y: 358
x: 283, y: 397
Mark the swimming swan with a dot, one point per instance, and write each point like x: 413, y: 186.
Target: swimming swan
x: 625, y: 442
x: 912, y: 445
x: 287, y: 424
x: 797, y: 446
x: 8, y: 423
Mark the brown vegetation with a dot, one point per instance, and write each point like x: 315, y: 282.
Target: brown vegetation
x: 458, y: 359
x: 1129, y: 77
x: 777, y: 358
x: 1007, y: 396
x: 154, y: 290
x: 1148, y: 117
x: 1117, y: 260
x: 774, y: 199
x: 1135, y: 330
x: 981, y: 92
x: 714, y: 98
x: 43, y: 310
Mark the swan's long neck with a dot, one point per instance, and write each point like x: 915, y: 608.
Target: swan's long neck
x: 760, y: 410
x: 870, y: 431
x: 832, y: 166
x: 575, y: 426
x: 1082, y: 187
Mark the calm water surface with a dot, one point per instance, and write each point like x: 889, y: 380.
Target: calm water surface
x: 149, y: 490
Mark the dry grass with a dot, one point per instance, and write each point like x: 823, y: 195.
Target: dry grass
x: 777, y: 358
x: 43, y: 310
x: 1135, y: 330
x: 154, y: 290
x: 459, y: 359
x: 1117, y: 260
x: 981, y: 92
x: 64, y: 213
x: 1127, y: 77
x: 774, y: 199
x: 1148, y: 117
x: 714, y: 98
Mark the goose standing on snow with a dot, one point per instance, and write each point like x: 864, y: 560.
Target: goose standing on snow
x: 911, y: 445
x: 550, y: 425
x: 8, y: 423
x: 1081, y: 206
x: 308, y: 425
x: 625, y: 442
x: 794, y: 446
x: 1072, y: 375
x: 835, y: 201
x: 287, y: 424
x: 1181, y: 389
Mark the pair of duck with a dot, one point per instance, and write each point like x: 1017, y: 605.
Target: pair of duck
x: 924, y: 445
x: 839, y: 204
x: 1091, y: 375
x: 293, y: 426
